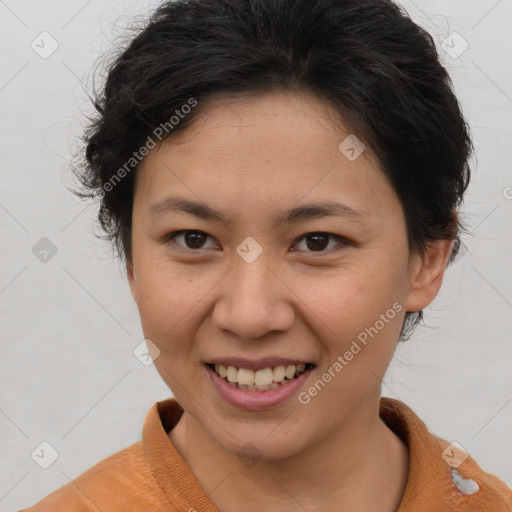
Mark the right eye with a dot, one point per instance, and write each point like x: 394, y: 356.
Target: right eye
x: 193, y: 239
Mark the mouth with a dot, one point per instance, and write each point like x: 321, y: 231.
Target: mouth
x: 259, y: 379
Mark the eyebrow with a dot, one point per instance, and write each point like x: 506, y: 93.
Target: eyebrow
x: 304, y: 212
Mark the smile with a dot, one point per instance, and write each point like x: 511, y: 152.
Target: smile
x: 264, y: 386
x: 263, y: 379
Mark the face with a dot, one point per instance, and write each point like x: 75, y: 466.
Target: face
x: 256, y: 278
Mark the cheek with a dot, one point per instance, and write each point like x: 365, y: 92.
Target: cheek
x: 361, y: 323
x: 360, y: 315
x: 170, y: 301
x: 353, y: 296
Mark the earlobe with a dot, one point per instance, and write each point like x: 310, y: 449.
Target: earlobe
x: 427, y: 272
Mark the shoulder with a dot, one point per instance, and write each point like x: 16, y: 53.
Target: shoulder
x: 440, y: 472
x: 120, y: 482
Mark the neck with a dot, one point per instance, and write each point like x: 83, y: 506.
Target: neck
x: 361, y: 466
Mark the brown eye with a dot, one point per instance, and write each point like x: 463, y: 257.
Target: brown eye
x: 192, y: 239
x: 318, y: 241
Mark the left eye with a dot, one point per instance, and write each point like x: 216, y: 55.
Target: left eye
x: 318, y: 241
x: 315, y: 242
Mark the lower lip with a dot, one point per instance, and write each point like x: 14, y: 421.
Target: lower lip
x: 257, y: 400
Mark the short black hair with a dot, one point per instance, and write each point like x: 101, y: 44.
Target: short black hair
x: 376, y: 67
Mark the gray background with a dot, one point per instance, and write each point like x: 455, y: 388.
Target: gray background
x: 69, y: 325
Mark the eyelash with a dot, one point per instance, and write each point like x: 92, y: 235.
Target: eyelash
x: 170, y: 237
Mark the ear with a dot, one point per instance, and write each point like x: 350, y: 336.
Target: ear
x: 427, y: 271
x: 131, y: 279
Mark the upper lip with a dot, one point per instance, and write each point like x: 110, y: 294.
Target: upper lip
x: 256, y: 364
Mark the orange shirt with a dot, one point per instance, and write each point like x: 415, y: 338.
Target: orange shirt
x: 150, y: 475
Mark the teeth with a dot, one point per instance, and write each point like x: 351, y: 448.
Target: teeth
x: 232, y: 374
x: 260, y: 380
x: 222, y: 370
x: 263, y: 377
x: 246, y: 377
x: 279, y: 373
x: 290, y: 371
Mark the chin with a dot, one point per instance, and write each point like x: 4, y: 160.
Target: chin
x: 272, y: 440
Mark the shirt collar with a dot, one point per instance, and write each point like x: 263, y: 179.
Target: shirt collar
x: 435, y: 476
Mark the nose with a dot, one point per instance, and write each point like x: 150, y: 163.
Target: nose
x: 254, y: 301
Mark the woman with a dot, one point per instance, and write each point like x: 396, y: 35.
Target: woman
x: 282, y: 179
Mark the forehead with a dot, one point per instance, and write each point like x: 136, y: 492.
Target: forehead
x: 262, y: 150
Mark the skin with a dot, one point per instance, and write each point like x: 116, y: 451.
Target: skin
x: 250, y: 157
